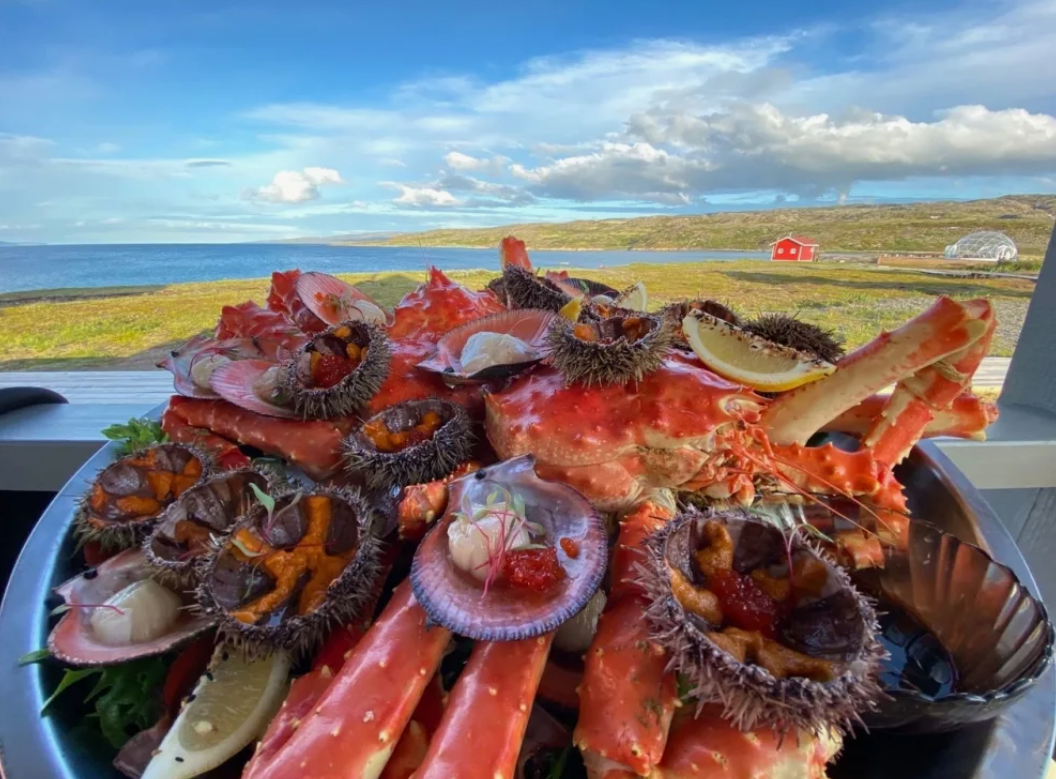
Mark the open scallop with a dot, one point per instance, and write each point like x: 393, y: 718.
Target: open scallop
x: 447, y: 577
x: 493, y: 347
x: 117, y: 612
x: 192, y: 364
x: 335, y: 301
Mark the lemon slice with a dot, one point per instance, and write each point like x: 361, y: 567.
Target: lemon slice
x: 230, y: 706
x: 572, y: 309
x: 748, y: 359
x: 633, y: 298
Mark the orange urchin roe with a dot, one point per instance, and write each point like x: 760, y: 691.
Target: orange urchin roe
x: 287, y: 566
x: 750, y: 646
x: 778, y: 589
x: 585, y: 332
x: 571, y: 547
x: 533, y: 569
x: 191, y: 534
x: 703, y: 603
x: 165, y: 486
x: 718, y: 554
x: 386, y: 440
x: 135, y: 506
x: 634, y: 328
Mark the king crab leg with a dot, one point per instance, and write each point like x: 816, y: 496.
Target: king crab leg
x: 628, y: 696
x: 708, y: 746
x: 919, y: 397
x: 488, y: 712
x: 313, y: 446
x: 353, y: 731
x: 421, y: 504
x: 944, y: 329
x: 966, y: 417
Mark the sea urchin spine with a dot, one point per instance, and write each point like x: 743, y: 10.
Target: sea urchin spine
x: 613, y: 351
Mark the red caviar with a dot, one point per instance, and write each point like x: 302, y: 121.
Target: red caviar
x: 744, y: 604
x: 329, y: 369
x: 533, y: 569
x: 571, y: 547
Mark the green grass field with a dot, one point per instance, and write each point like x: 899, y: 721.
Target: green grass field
x: 888, y: 228
x: 133, y: 327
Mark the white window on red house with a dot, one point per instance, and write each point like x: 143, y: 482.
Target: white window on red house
x: 780, y: 249
x: 793, y: 250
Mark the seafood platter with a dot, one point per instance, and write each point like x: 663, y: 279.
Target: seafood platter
x: 539, y: 530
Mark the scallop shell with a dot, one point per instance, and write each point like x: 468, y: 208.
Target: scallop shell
x: 455, y: 600
x: 236, y: 383
x: 72, y: 640
x: 335, y: 301
x: 528, y: 325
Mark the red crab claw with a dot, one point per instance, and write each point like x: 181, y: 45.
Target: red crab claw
x: 489, y: 710
x: 421, y: 504
x: 353, y: 730
x: 512, y: 252
x: 248, y: 320
x: 918, y: 398
x: 313, y: 446
x: 943, y: 331
x: 627, y: 697
x: 966, y: 417
x: 708, y: 746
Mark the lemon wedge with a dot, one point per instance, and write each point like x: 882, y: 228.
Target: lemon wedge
x: 748, y: 359
x: 633, y: 298
x: 230, y: 706
x: 572, y: 309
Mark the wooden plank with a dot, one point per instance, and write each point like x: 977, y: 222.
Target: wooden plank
x: 41, y: 447
x: 1012, y: 505
x: 1037, y: 540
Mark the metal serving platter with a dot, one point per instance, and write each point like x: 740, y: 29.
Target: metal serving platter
x: 1017, y: 744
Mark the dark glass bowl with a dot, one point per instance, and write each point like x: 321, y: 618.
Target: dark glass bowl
x: 998, y: 634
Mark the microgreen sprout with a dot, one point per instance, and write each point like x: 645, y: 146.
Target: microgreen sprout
x: 509, y: 508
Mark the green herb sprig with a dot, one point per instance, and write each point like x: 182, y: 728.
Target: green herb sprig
x: 136, y: 434
x: 125, y: 697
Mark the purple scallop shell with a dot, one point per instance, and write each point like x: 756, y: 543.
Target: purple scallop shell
x: 457, y: 601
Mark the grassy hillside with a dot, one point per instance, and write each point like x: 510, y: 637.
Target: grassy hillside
x: 133, y: 327
x: 916, y: 227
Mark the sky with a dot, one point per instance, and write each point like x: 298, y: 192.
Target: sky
x: 123, y: 121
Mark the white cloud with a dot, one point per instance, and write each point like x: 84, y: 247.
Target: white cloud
x: 456, y: 160
x: 678, y: 156
x: 392, y: 162
x: 292, y: 186
x: 420, y: 196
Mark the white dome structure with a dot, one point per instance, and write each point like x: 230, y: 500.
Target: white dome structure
x: 983, y: 245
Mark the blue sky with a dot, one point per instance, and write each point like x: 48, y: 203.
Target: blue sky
x: 217, y: 121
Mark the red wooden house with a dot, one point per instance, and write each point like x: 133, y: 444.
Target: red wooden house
x: 794, y: 248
